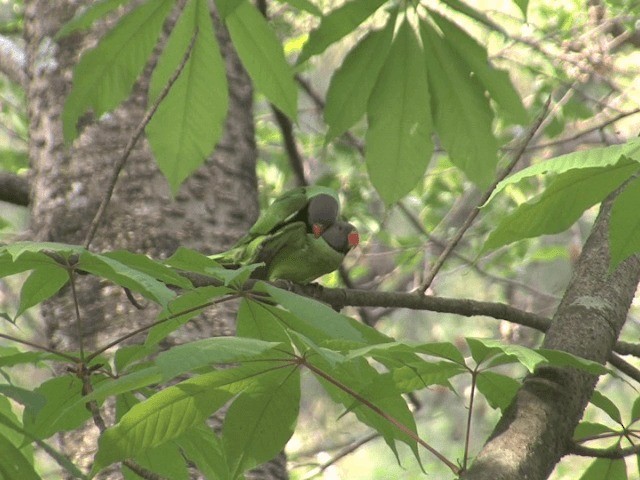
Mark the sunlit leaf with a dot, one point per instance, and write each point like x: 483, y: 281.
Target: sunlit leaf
x: 189, y: 120
x: 338, y: 23
x: 462, y: 116
x: 105, y: 75
x: 561, y: 204
x: 261, y: 53
x: 398, y: 140
x: 352, y: 83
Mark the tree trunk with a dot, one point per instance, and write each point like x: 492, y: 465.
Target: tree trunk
x: 213, y: 208
x: 535, y: 431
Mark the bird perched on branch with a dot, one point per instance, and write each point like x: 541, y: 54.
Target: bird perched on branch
x: 299, y: 237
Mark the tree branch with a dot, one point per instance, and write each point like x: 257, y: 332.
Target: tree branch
x: 611, y: 453
x: 14, y: 188
x: 13, y: 61
x: 536, y: 430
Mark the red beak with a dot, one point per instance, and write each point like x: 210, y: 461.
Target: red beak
x: 353, y: 238
x: 317, y: 230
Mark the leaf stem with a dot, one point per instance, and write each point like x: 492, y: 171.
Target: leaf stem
x: 374, y: 408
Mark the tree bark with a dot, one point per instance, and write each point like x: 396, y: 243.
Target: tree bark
x: 535, y: 431
x: 213, y: 208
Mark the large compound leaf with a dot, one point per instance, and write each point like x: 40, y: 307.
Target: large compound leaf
x: 261, y: 53
x: 352, y: 83
x: 495, y: 81
x: 338, y: 23
x: 105, y: 75
x: 398, y: 141
x: 189, y: 120
x: 562, y: 203
x: 172, y: 412
x: 462, y: 114
x: 595, y: 157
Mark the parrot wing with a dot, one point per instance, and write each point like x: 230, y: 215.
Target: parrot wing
x: 295, y: 255
x: 283, y: 209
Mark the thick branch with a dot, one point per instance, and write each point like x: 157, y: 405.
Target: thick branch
x: 14, y: 188
x: 12, y: 61
x: 536, y: 429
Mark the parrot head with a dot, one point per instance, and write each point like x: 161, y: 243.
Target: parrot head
x: 341, y: 236
x: 322, y: 212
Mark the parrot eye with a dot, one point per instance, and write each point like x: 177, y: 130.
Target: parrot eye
x: 354, y: 239
x: 317, y: 230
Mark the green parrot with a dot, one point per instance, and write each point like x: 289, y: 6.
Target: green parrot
x: 316, y: 206
x: 298, y: 238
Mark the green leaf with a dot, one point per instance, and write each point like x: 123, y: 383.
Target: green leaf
x: 377, y: 388
x: 105, y: 75
x: 192, y: 261
x: 595, y: 157
x: 462, y: 116
x: 482, y: 349
x: 338, y: 23
x: 258, y: 425
x: 88, y: 16
x: 606, y: 405
x: 495, y: 81
x: 182, y: 309
x: 522, y: 5
x: 635, y: 410
x: 189, y: 120
x: 126, y: 276
x: 318, y: 321
x: 255, y: 320
x: 624, y: 225
x: 171, y: 412
x: 305, y: 6
x: 201, y: 446
x: 558, y: 358
x: 561, y: 204
x: 398, y: 140
x: 446, y: 350
x: 216, y: 350
x: 419, y: 375
x: 351, y: 84
x: 23, y: 396
x: 261, y: 53
x: 58, y: 393
x: 153, y: 268
x: 606, y: 469
x: 586, y: 430
x: 498, y: 389
x: 14, y: 465
x: 227, y: 7
x: 40, y: 285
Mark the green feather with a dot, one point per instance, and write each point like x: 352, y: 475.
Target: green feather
x: 284, y: 208
x: 295, y: 255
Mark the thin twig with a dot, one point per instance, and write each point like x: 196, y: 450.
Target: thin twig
x: 158, y: 322
x: 43, y: 348
x: 132, y: 142
x: 611, y: 453
x: 349, y: 449
x: 474, y: 213
x: 415, y: 222
x: 586, y: 131
x: 467, y: 436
